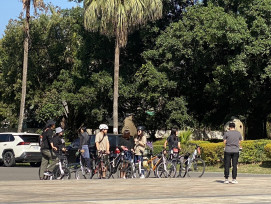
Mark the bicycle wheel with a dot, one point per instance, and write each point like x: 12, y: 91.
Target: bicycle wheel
x: 171, y: 169
x: 180, y: 167
x: 167, y: 171
x: 111, y: 171
x: 121, y: 169
x: 129, y: 170
x: 148, y: 169
x: 66, y: 174
x: 197, y: 168
x: 177, y: 165
x: 83, y: 173
x: 161, y: 172
x: 108, y: 170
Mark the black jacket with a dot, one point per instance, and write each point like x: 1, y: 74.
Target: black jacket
x: 127, y: 143
x: 47, y: 138
x: 59, y: 143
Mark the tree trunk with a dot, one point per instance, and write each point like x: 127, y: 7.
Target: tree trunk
x: 25, y: 63
x: 116, y: 89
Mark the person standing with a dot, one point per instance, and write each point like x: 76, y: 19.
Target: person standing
x: 83, y: 146
x: 126, y: 144
x: 140, y: 145
x: 232, y: 140
x: 102, y: 143
x: 46, y: 150
x: 173, y: 141
x: 58, y: 141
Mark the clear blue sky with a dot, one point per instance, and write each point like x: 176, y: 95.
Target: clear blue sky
x: 11, y: 9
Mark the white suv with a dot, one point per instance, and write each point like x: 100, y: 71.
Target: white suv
x: 19, y: 147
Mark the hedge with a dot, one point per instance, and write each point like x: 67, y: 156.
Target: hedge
x: 267, y: 150
x: 213, y: 153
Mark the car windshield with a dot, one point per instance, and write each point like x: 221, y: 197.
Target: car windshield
x: 30, y: 138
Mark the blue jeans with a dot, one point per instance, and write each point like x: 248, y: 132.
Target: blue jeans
x: 139, y: 159
x: 86, y: 155
x: 128, y: 155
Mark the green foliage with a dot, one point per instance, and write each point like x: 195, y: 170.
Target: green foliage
x: 185, y: 136
x: 253, y: 151
x: 157, y: 149
x: 211, y: 64
x: 119, y: 18
x: 213, y: 153
x: 160, y: 141
x: 267, y: 149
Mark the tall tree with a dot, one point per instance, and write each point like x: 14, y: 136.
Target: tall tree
x: 26, y: 7
x: 118, y: 18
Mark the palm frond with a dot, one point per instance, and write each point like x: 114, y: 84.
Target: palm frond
x: 120, y: 17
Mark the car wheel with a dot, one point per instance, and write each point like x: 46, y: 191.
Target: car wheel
x: 9, y: 159
x: 35, y: 164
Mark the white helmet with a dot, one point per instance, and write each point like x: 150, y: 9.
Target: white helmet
x: 103, y: 127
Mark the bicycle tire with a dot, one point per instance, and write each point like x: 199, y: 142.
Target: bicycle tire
x: 129, y: 172
x: 197, y: 168
x: 83, y: 173
x: 178, y: 167
x: 66, y: 175
x: 122, y: 168
x: 171, y: 169
x: 148, y: 169
x: 169, y: 172
x: 111, y: 171
x: 108, y: 169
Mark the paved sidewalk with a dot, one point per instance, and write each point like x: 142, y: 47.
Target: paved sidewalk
x: 179, y: 190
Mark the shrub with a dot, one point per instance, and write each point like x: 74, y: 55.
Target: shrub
x: 157, y: 149
x: 185, y: 136
x: 253, y: 151
x: 267, y: 150
x: 212, y: 153
x: 160, y: 141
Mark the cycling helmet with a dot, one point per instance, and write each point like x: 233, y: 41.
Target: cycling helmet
x: 142, y: 128
x: 103, y: 127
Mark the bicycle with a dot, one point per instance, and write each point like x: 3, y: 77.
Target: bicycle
x: 152, y: 164
x: 191, y: 164
x: 83, y: 172
x: 61, y: 171
x: 101, y: 165
x: 165, y: 168
x: 119, y: 165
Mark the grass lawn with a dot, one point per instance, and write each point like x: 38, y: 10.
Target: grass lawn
x: 258, y: 168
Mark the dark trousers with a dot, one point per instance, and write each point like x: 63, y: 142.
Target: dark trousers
x: 231, y: 157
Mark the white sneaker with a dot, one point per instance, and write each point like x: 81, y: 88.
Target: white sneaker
x: 48, y: 173
x: 134, y: 176
x: 234, y: 181
x: 142, y: 176
x: 226, y: 181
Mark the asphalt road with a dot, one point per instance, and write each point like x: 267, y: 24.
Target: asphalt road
x: 23, y: 173
x: 134, y: 191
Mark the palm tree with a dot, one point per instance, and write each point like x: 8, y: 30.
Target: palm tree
x: 118, y: 18
x: 26, y: 7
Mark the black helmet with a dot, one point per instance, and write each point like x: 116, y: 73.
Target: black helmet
x: 142, y: 128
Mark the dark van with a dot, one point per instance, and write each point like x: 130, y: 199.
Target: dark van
x: 73, y: 147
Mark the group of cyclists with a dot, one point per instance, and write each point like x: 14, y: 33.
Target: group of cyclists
x: 132, y: 146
